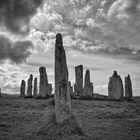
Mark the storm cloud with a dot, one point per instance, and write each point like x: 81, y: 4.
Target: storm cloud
x: 17, y: 52
x: 15, y: 14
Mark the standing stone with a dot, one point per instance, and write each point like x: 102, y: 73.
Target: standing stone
x: 35, y: 87
x: 62, y: 95
x: 115, y: 87
x: 22, y: 88
x: 78, y: 86
x: 45, y: 88
x: 88, y: 86
x: 70, y: 89
x: 29, y: 88
x: 128, y: 88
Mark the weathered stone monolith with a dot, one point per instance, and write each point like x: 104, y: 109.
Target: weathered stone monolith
x: 88, y: 86
x: 35, y: 87
x: 45, y: 88
x: 128, y: 88
x: 22, y: 88
x: 62, y: 95
x: 115, y: 87
x: 78, y: 86
x: 29, y: 88
x: 70, y: 89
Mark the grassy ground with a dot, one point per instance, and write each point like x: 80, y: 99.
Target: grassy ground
x: 101, y: 120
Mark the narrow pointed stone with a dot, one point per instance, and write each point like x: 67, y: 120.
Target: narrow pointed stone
x: 35, y: 87
x: 62, y: 95
x: 88, y: 86
x: 30, y: 86
x: 22, y: 88
x: 115, y: 87
x: 78, y: 86
x: 128, y: 88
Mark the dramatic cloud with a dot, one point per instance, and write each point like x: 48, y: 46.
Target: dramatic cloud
x: 101, y: 26
x: 16, y: 14
x: 17, y: 52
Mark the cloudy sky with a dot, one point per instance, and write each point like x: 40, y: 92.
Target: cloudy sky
x: 103, y: 35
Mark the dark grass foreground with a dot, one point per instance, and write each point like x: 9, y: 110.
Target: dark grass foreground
x: 32, y: 119
x: 48, y: 129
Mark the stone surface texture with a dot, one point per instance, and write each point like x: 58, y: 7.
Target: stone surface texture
x: 115, y: 87
x: 62, y: 95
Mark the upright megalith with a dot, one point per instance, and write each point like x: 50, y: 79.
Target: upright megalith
x: 44, y: 86
x: 35, y: 87
x: 78, y: 86
x: 29, y: 88
x: 22, y: 88
x: 88, y: 85
x: 115, y: 87
x: 62, y: 95
x: 128, y: 88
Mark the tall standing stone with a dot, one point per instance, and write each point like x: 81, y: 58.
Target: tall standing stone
x: 115, y: 87
x: 128, y: 88
x: 35, y: 87
x: 88, y: 86
x: 22, y: 88
x: 62, y: 95
x: 44, y: 87
x: 29, y: 88
x: 78, y: 86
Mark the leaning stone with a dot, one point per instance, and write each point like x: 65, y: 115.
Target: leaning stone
x: 62, y: 95
x: 78, y: 86
x: 22, y: 88
x: 29, y: 88
x: 35, y: 87
x: 115, y: 87
x: 128, y: 88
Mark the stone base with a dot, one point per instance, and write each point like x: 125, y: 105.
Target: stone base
x: 128, y: 99
x: 43, y: 97
x: 28, y: 96
x: 50, y: 130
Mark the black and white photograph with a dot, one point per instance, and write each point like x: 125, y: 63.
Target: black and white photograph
x: 69, y: 69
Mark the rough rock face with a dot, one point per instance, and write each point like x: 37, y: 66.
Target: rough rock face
x: 128, y: 88
x: 70, y: 89
x: 78, y: 86
x: 35, y: 87
x: 88, y: 86
x: 29, y: 88
x: 115, y: 87
x: 22, y: 88
x: 44, y: 87
x: 62, y: 95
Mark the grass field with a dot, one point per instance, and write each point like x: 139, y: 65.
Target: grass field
x: 100, y: 120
